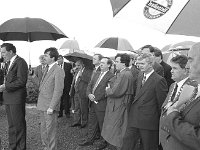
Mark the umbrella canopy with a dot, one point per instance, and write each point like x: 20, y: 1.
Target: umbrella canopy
x: 87, y: 59
x: 168, y: 16
x: 70, y: 44
x: 29, y: 29
x: 115, y: 43
x: 117, y: 5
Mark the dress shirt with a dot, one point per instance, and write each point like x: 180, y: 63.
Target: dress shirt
x: 148, y: 74
x: 78, y: 74
x: 11, y: 61
x: 51, y: 65
x: 180, y: 84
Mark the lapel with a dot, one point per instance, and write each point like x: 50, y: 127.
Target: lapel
x: 49, y: 73
x: 13, y: 63
x: 145, y: 87
x: 103, y: 79
x: 171, y: 89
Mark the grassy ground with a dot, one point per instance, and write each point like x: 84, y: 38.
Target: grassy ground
x: 67, y: 139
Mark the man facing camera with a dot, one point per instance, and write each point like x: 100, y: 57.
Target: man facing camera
x: 50, y: 92
x: 143, y: 118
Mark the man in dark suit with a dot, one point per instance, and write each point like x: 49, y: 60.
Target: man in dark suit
x: 156, y: 66
x: 97, y: 95
x: 181, y: 123
x: 180, y: 76
x: 14, y: 96
x: 79, y: 86
x: 167, y: 68
x: 65, y: 99
x: 93, y: 127
x: 143, y: 118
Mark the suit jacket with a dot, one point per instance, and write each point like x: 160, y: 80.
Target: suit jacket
x: 15, y: 82
x: 1, y: 82
x: 100, y: 92
x: 167, y: 73
x: 180, y: 131
x: 146, y: 107
x: 158, y: 69
x: 68, y: 77
x: 38, y: 72
x: 51, y: 89
x: 135, y: 71
x: 81, y: 84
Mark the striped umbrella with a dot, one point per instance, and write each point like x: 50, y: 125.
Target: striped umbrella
x: 115, y: 43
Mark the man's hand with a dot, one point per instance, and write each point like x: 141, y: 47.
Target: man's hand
x: 91, y: 97
x: 2, y: 87
x: 49, y: 111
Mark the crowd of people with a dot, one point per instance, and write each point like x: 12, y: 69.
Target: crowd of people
x: 131, y: 103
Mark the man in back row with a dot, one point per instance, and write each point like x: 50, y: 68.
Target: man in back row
x: 65, y: 103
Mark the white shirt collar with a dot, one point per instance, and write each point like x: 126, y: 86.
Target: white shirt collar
x: 96, y: 67
x: 12, y: 59
x: 50, y: 66
x: 123, y: 69
x: 180, y: 83
x: 148, y: 74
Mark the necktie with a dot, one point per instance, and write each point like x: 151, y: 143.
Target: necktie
x: 7, y: 64
x: 174, y: 92
x: 45, y: 72
x: 143, y: 80
x: 97, y: 82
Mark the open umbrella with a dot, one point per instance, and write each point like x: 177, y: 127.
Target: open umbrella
x: 87, y: 59
x: 69, y: 46
x: 29, y: 29
x: 168, y: 16
x: 117, y: 5
x: 115, y: 43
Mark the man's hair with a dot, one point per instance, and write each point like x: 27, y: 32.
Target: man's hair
x: 147, y: 57
x: 9, y: 47
x: 99, y: 56
x: 80, y: 61
x: 109, y: 61
x: 150, y: 47
x: 124, y: 58
x: 181, y: 60
x: 60, y: 56
x: 53, y: 52
x: 158, y: 52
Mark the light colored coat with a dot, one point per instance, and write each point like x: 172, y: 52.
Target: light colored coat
x: 51, y: 89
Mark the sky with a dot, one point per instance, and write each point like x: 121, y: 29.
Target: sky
x: 87, y: 21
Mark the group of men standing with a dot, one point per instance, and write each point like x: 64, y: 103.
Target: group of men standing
x: 126, y: 108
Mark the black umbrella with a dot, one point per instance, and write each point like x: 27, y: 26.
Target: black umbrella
x: 29, y: 29
x: 87, y: 59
